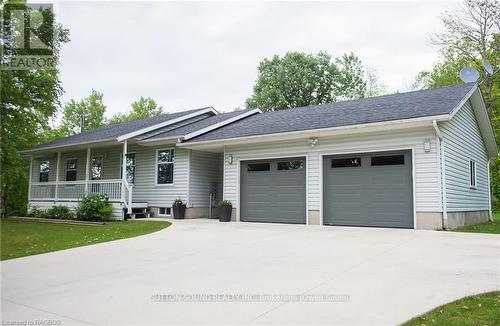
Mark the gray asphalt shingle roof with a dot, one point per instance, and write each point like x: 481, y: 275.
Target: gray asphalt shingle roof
x: 112, y: 131
x: 184, y: 130
x: 375, y: 109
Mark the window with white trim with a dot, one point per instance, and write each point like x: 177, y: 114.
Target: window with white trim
x: 165, y: 166
x: 44, y: 171
x: 130, y: 167
x: 164, y: 211
x: 472, y: 174
x: 71, y: 169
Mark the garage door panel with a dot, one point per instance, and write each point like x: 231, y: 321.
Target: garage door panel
x: 362, y: 194
x: 277, y: 195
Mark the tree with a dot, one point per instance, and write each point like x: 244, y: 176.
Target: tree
x: 142, y: 108
x: 374, y: 87
x: 473, y: 34
x: 300, y: 79
x: 29, y: 98
x: 445, y: 72
x: 351, y: 82
x: 89, y: 111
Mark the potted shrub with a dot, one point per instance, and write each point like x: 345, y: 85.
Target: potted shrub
x: 225, y: 210
x: 179, y: 209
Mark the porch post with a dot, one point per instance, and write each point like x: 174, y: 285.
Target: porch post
x: 30, y: 178
x: 56, y: 195
x: 87, y: 171
x: 124, y: 168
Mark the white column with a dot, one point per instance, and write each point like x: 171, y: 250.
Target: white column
x: 87, y: 171
x: 124, y: 168
x: 30, y: 177
x: 56, y: 196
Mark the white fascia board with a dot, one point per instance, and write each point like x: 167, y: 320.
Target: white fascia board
x: 463, y: 101
x: 166, y: 123
x: 220, y: 124
x: 483, y: 120
x: 35, y: 150
x: 384, y: 125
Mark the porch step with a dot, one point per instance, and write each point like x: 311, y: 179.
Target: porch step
x: 139, y: 210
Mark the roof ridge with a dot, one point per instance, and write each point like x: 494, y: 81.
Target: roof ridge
x: 369, y: 98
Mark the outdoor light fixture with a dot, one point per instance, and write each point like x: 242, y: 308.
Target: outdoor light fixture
x: 427, y: 145
x: 229, y: 159
x: 313, y: 141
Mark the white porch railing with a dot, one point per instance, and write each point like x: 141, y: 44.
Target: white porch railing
x: 76, y: 190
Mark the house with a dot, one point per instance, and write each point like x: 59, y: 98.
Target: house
x: 408, y: 160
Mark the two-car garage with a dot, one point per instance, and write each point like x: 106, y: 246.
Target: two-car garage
x: 364, y: 189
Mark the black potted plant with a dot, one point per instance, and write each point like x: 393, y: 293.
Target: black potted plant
x: 179, y: 209
x: 225, y: 210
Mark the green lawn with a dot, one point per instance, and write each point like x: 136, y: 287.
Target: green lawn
x: 478, y: 310
x: 486, y: 227
x: 25, y: 238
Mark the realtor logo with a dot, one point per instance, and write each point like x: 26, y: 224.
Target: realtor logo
x: 27, y: 36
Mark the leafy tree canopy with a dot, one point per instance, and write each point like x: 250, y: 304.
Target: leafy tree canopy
x: 144, y: 107
x: 300, y: 79
x: 29, y: 99
x: 89, y: 112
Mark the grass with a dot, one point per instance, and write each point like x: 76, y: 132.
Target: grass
x: 25, y: 238
x: 480, y: 310
x: 486, y: 227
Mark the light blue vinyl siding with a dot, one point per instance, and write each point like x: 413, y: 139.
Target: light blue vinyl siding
x: 145, y: 187
x: 462, y: 143
x: 205, y: 169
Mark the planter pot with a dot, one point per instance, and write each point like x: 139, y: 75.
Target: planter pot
x: 179, y: 212
x: 225, y: 213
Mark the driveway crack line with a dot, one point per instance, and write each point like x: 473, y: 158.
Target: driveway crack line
x: 49, y: 312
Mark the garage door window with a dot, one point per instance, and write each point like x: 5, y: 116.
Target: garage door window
x: 256, y: 167
x: 346, y: 162
x: 388, y: 160
x: 290, y: 165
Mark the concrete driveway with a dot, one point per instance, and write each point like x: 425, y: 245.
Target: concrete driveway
x: 386, y: 275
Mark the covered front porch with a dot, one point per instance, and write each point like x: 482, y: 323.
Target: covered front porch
x: 65, y: 176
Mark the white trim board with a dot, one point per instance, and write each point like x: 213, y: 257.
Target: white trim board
x: 166, y: 123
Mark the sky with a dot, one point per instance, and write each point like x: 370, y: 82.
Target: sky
x: 188, y: 55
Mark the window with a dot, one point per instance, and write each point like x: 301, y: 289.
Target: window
x: 388, y: 160
x: 255, y: 167
x: 165, y: 211
x: 346, y: 162
x: 291, y: 165
x: 71, y: 170
x: 96, y: 168
x: 44, y: 171
x: 472, y: 174
x: 130, y: 167
x: 165, y: 166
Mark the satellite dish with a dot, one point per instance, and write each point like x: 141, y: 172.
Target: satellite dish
x: 487, y: 66
x: 469, y: 75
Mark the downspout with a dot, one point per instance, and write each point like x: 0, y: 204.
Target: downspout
x: 441, y: 145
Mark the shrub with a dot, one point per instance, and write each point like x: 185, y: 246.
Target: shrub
x: 60, y: 212
x: 39, y: 213
x: 177, y: 203
x: 94, y: 207
x: 225, y: 203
